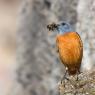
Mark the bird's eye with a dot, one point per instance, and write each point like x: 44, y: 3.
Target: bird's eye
x: 63, y: 23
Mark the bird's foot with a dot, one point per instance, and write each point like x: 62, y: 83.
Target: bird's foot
x: 64, y: 78
x: 77, y: 75
x: 77, y: 78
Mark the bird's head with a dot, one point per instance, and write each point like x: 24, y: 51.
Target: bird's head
x: 61, y: 28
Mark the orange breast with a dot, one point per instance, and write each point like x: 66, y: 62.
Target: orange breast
x: 70, y: 50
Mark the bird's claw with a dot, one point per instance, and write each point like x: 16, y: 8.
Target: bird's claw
x: 63, y: 80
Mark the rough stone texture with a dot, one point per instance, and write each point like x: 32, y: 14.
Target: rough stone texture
x: 38, y: 68
x: 85, y: 85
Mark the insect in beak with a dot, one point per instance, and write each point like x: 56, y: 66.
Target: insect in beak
x: 52, y: 27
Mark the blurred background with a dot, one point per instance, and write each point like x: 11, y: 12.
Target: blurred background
x: 8, y: 27
x: 29, y: 64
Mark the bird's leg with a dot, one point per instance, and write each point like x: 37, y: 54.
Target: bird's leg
x: 78, y: 72
x: 64, y: 77
x: 77, y: 78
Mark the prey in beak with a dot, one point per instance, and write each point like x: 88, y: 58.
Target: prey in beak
x: 52, y: 27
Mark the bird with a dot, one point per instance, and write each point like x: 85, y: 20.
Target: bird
x: 69, y: 46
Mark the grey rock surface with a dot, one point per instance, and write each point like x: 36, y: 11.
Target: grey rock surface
x: 85, y: 85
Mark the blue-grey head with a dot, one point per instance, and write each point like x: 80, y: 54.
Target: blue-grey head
x: 61, y: 28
